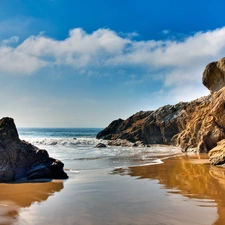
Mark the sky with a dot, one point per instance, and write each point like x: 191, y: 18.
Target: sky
x: 85, y: 63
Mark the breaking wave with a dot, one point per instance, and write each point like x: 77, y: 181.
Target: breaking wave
x: 63, y: 141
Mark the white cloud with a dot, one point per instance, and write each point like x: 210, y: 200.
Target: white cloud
x: 165, y: 31
x: 182, y: 62
x: 198, y: 47
x: 186, y: 93
x: 148, y: 74
x: 15, y: 61
x: 78, y: 50
x: 11, y: 40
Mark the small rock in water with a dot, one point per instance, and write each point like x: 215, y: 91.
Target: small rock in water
x: 100, y: 145
x: 138, y: 144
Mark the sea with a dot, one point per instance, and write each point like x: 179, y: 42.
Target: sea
x: 75, y: 147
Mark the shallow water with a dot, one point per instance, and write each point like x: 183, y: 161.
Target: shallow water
x: 182, y: 190
x: 116, y: 185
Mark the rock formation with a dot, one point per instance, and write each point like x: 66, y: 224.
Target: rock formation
x: 20, y: 159
x: 217, y: 154
x: 197, y: 125
x: 214, y: 75
x: 100, y: 145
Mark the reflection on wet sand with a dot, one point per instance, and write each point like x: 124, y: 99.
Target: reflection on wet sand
x: 191, y: 177
x: 15, y: 196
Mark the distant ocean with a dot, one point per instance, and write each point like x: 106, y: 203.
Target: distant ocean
x: 75, y: 147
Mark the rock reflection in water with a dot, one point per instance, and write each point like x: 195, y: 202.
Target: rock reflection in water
x: 190, y: 177
x: 13, y: 197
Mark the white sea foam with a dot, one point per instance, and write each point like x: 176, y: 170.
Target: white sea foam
x: 72, y: 171
x: 153, y: 162
x: 80, y: 153
x: 63, y: 141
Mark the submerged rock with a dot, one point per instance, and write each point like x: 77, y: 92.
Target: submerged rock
x: 197, y: 125
x: 120, y: 142
x: 100, y: 145
x: 20, y: 159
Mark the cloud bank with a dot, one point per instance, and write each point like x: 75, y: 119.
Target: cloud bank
x: 174, y: 62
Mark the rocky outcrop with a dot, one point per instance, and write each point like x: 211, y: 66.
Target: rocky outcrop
x: 197, y: 125
x: 203, y: 129
x: 166, y: 125
x: 20, y: 159
x: 150, y: 127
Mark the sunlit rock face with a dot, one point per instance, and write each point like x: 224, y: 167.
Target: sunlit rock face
x: 217, y: 154
x: 204, y: 125
x: 20, y: 159
x: 214, y: 75
x: 197, y: 125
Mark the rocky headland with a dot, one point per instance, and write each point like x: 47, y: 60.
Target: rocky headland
x: 22, y: 161
x: 198, y: 125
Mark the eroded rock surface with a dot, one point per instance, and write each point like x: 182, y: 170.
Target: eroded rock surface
x: 197, y: 125
x: 20, y: 159
x: 217, y: 154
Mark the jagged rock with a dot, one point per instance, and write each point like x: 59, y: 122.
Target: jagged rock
x: 20, y: 159
x: 197, y: 125
x: 152, y: 127
x: 107, y: 132
x: 100, y: 145
x: 139, y: 144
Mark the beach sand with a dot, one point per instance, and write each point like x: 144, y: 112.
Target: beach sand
x: 182, y: 190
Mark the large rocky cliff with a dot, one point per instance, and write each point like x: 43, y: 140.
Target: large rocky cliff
x: 197, y: 125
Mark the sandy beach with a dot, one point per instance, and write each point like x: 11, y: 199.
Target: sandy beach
x: 182, y: 190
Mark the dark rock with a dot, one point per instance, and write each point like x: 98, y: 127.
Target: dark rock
x: 217, y: 154
x: 20, y: 159
x: 139, y: 144
x: 150, y: 127
x: 49, y: 168
x: 109, y: 131
x: 100, y: 145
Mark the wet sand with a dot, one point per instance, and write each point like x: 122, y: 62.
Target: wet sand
x: 183, y: 190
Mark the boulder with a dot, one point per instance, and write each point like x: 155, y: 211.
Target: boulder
x: 214, y: 75
x: 20, y: 159
x: 120, y: 142
x: 100, y: 145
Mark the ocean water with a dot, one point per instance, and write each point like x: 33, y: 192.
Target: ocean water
x: 75, y: 147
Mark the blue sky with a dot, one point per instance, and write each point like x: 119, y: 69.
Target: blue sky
x: 84, y: 63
